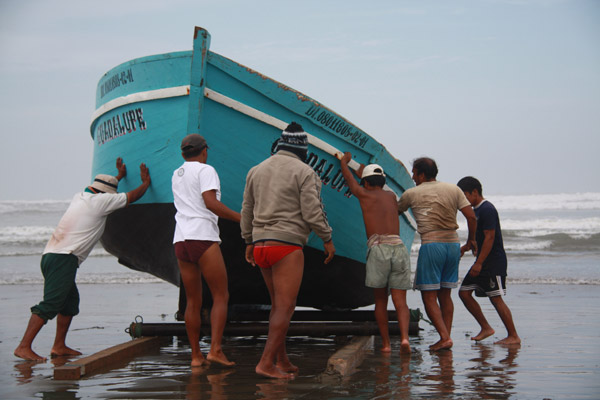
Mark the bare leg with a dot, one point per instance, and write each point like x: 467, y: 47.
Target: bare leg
x: 282, y: 361
x: 430, y: 300
x: 284, y: 278
x: 192, y: 281
x: 213, y: 269
x: 447, y: 307
x: 63, y: 322
x: 473, y: 307
x: 24, y: 349
x: 506, y: 317
x: 381, y: 316
x: 399, y: 300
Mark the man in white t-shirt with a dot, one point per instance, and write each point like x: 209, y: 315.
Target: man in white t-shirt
x: 77, y: 233
x: 197, y: 198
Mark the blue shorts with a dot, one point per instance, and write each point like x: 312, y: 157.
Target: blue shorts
x: 437, y: 266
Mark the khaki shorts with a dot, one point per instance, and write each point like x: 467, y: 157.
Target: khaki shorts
x: 388, y: 266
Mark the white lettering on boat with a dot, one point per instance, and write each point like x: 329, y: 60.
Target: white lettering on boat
x: 115, y: 81
x: 119, y: 125
x: 337, y: 125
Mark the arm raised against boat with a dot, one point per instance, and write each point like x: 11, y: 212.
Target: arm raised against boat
x: 138, y: 192
x: 121, y: 168
x: 355, y: 188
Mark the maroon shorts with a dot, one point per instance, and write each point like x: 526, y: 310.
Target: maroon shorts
x: 192, y: 250
x: 267, y: 256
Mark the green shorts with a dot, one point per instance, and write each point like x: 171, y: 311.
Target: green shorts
x: 388, y: 266
x: 60, y: 291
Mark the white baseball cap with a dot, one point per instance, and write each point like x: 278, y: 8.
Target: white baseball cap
x: 371, y: 170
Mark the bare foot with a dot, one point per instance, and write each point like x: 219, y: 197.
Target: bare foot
x: 59, y: 361
x: 63, y: 351
x: 219, y: 358
x: 509, y: 340
x: 441, y: 345
x: 199, y: 362
x: 28, y: 354
x: 287, y: 366
x: 485, y: 333
x: 386, y: 349
x: 273, y: 372
x: 405, y: 347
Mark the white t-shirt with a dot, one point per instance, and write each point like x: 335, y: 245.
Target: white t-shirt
x: 193, y: 220
x: 83, y: 223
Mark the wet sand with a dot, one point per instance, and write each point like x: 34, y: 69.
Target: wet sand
x: 558, y: 359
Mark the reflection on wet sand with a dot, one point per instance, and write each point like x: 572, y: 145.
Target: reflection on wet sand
x: 24, y: 371
x: 60, y: 394
x: 59, y: 361
x: 488, y: 378
x: 441, y: 377
x: 25, y: 368
x: 28, y: 372
x: 204, y: 384
x: 393, y: 377
x: 404, y: 382
x: 273, y: 390
x: 382, y: 375
x: 474, y: 371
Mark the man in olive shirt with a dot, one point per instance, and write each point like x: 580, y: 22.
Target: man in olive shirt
x: 434, y: 205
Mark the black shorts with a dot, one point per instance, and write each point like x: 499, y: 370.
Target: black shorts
x: 485, y: 286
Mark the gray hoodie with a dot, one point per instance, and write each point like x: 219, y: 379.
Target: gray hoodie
x: 282, y: 201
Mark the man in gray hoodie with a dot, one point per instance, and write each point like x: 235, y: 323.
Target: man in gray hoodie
x: 282, y: 204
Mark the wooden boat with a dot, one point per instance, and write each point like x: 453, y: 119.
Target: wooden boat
x: 144, y: 107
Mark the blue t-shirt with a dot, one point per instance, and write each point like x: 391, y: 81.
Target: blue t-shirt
x: 487, y: 219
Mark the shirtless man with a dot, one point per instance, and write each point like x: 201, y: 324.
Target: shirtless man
x: 388, y: 262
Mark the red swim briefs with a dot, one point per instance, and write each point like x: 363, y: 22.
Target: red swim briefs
x: 192, y: 250
x: 267, y: 256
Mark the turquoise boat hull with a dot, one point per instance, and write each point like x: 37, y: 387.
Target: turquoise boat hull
x: 144, y: 107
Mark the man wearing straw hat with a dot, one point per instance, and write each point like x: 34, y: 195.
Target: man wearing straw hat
x: 77, y: 233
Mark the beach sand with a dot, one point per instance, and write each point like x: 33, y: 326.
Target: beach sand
x: 558, y: 359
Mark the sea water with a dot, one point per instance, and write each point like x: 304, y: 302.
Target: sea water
x: 549, y: 238
x: 26, y: 227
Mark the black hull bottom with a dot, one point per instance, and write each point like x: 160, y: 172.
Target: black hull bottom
x: 141, y: 237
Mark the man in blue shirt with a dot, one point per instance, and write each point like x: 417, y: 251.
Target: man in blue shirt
x: 487, y: 276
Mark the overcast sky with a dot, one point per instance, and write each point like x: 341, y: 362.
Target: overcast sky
x: 507, y: 91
